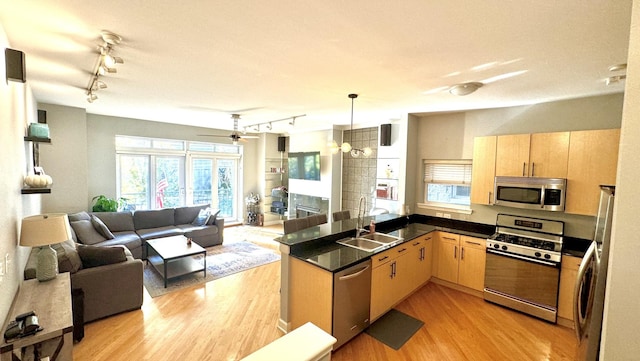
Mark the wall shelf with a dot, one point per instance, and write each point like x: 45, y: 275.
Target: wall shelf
x: 35, y: 190
x: 37, y: 140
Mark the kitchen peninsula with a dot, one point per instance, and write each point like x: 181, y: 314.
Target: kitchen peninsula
x: 312, y: 262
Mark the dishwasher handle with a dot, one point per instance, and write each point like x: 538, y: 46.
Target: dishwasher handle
x: 354, y: 274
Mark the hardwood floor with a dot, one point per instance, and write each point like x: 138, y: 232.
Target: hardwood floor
x: 229, y: 318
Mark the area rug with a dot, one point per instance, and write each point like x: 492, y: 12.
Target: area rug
x: 222, y: 261
x: 394, y: 328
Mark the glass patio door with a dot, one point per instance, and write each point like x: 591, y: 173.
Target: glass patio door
x: 214, y: 181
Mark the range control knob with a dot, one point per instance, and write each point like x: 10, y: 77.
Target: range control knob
x: 547, y: 256
x: 504, y: 248
x: 496, y: 246
x: 538, y: 254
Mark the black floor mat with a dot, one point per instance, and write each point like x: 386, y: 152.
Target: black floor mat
x: 394, y: 328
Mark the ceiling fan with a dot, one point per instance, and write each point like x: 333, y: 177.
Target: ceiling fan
x: 235, y: 135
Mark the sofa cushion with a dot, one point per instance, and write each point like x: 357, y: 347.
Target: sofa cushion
x: 159, y: 232
x: 117, y: 221
x: 101, y: 227
x: 131, y: 240
x: 86, y: 233
x: 68, y: 258
x: 214, y: 214
x: 186, y: 215
x: 202, y: 218
x: 93, y: 256
x: 153, y: 218
x: 80, y: 216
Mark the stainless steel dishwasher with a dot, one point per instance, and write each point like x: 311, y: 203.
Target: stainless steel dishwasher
x: 351, y: 301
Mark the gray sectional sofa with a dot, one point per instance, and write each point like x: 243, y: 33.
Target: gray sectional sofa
x: 104, y: 255
x: 133, y: 229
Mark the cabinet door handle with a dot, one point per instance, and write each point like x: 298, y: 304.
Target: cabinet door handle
x: 402, y: 250
x: 391, y: 266
x: 476, y: 243
x: 449, y: 238
x: 489, y: 200
x: 533, y: 169
x: 462, y: 253
x: 383, y: 258
x: 416, y: 244
x: 524, y: 166
x: 422, y: 253
x: 455, y: 252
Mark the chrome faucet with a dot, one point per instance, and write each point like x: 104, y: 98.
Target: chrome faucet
x: 360, y: 220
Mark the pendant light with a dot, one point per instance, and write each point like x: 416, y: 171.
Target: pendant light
x: 346, y: 147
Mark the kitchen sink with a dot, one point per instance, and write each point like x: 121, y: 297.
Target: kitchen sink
x: 369, y: 242
x: 382, y: 238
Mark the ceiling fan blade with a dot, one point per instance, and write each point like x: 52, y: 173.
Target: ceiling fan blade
x: 250, y: 136
x: 213, y: 135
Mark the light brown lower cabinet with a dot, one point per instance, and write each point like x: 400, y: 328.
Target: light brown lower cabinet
x: 399, y: 271
x: 311, y: 295
x: 460, y: 260
x: 568, y: 275
x: 389, y: 278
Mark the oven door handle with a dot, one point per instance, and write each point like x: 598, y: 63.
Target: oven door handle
x: 505, y: 254
x: 542, y: 197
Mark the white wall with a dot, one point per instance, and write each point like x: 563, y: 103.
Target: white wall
x: 17, y: 109
x: 82, y: 157
x: 450, y: 136
x: 311, y: 142
x: 65, y: 159
x: 620, y: 339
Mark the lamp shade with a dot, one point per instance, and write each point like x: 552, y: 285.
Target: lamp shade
x: 45, y: 229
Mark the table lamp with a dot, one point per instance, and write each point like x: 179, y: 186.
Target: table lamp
x: 43, y: 231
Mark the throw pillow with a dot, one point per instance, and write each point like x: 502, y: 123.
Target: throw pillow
x: 102, y: 228
x: 94, y: 256
x: 202, y: 218
x: 86, y: 233
x: 213, y: 214
x: 68, y: 258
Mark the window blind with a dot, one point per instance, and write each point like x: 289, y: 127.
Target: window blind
x: 447, y: 172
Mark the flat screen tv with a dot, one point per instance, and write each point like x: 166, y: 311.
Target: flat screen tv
x: 304, y: 165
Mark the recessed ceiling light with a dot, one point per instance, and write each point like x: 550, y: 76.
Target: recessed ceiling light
x: 465, y: 88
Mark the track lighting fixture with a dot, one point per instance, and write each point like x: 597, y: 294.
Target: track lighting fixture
x: 269, y: 125
x: 347, y: 147
x: 105, y: 64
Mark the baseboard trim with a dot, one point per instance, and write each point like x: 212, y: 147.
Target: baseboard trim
x: 457, y: 287
x: 283, y: 326
x: 565, y: 322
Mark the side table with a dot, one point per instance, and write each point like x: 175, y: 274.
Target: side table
x: 51, y: 301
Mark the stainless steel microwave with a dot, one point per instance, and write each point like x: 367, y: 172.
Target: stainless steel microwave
x: 531, y: 193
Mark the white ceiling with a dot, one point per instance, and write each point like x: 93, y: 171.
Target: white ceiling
x: 195, y: 62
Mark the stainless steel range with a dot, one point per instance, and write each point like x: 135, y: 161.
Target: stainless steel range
x: 523, y: 265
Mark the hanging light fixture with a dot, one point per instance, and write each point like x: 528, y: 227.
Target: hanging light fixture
x: 347, y: 147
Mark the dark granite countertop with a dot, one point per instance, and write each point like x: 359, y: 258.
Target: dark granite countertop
x: 317, y: 245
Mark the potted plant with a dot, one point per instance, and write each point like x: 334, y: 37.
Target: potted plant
x: 103, y: 203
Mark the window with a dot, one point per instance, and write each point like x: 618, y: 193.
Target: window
x: 160, y: 173
x: 447, y: 183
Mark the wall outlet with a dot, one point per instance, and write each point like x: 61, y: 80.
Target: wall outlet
x: 438, y: 214
x: 446, y: 215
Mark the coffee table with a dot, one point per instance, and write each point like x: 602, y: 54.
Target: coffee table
x: 172, y: 257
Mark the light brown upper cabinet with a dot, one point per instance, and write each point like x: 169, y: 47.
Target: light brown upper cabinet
x: 532, y: 155
x: 483, y: 170
x: 593, y: 160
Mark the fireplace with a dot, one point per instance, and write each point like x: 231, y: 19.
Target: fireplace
x: 301, y: 205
